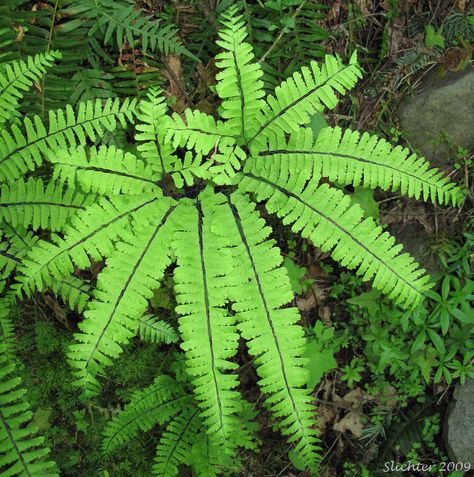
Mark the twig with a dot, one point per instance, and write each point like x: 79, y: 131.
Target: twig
x: 281, y: 34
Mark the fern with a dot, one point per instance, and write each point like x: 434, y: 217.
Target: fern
x: 176, y: 443
x: 17, y: 77
x: 22, y: 152
x: 185, y: 192
x: 346, y: 157
x: 22, y: 450
x: 31, y: 204
x: 154, y: 330
x: 111, y: 318
x: 118, y: 22
x: 153, y: 405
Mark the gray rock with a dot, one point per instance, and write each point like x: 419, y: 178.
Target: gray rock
x: 459, y: 424
x: 416, y: 242
x: 440, y: 115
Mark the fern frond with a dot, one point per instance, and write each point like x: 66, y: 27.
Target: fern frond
x: 106, y: 170
x: 261, y: 289
x: 18, y: 242
x: 151, y: 133
x: 154, y: 330
x: 123, y: 288
x: 18, y: 76
x: 347, y: 157
x: 176, y: 443
x: 326, y: 216
x: 31, y: 204
x: 117, y: 22
x: 207, y: 330
x: 22, y: 450
x: 302, y: 95
x: 200, y: 132
x: 20, y: 153
x: 239, y: 83
x: 73, y: 291
x: 186, y: 170
x: 89, y: 234
x: 156, y: 404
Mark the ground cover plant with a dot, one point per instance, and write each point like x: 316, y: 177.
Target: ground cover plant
x: 156, y: 225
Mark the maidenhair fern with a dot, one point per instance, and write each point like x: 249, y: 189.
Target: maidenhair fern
x: 22, y: 450
x: 186, y: 192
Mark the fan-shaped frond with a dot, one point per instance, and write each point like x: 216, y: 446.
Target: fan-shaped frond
x: 176, y: 443
x: 131, y: 274
x: 22, y: 450
x: 302, y: 95
x: 89, y: 234
x: 261, y: 289
x: 154, y: 330
x: 18, y: 76
x: 326, y: 216
x: 21, y: 152
x: 31, y: 204
x: 239, y: 83
x: 106, y: 170
x: 156, y: 404
x: 351, y: 158
x: 207, y: 330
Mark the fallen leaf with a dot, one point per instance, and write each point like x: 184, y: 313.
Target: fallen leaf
x: 353, y: 421
x: 174, y: 73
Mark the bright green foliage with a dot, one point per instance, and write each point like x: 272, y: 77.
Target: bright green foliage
x: 17, y: 77
x: 208, y: 331
x: 22, y: 452
x: 154, y: 330
x: 31, y: 204
x: 187, y: 194
x: 24, y: 151
x: 153, y: 405
x: 132, y: 272
x: 106, y: 171
x: 176, y: 443
x: 351, y: 158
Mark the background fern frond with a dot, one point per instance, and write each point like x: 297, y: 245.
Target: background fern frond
x: 156, y: 404
x: 154, y: 330
x: 22, y: 450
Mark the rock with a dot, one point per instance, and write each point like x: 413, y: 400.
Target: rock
x: 440, y: 116
x: 416, y: 242
x: 459, y: 424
